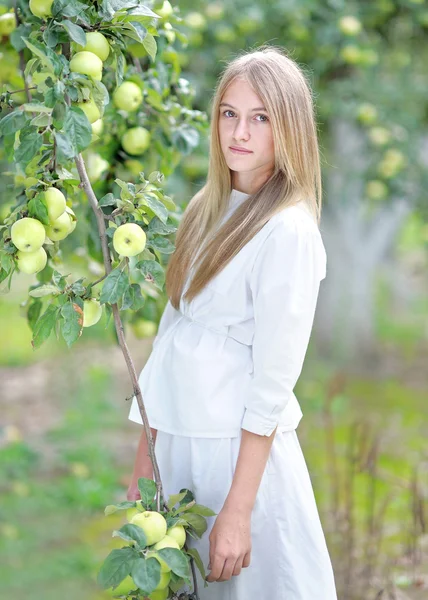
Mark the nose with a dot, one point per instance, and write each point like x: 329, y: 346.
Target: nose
x: 241, y: 131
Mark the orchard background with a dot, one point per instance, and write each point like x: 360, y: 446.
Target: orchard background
x: 66, y: 446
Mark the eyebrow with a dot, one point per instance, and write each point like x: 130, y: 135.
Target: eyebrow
x: 252, y: 110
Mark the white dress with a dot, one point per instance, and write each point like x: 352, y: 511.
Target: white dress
x: 229, y: 361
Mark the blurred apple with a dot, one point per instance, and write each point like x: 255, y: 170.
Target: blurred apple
x: 376, y: 190
x: 97, y: 126
x: 169, y: 33
x: 214, y: 11
x: 350, y: 25
x: 367, y: 113
x: 136, y: 140
x: 165, y: 10
x: 7, y: 23
x: 59, y: 229
x: 351, y: 54
x: 380, y: 136
x: 95, y: 166
x: 56, y: 203
x: 92, y: 312
x: 224, y: 33
x: 128, y: 96
x: 195, y: 20
x: 143, y: 328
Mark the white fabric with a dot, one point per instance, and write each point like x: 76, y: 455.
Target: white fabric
x: 231, y: 358
x: 289, y: 555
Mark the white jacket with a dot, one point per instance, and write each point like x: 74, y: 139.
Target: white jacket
x: 231, y: 358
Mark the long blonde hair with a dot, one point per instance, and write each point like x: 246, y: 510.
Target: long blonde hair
x: 283, y: 87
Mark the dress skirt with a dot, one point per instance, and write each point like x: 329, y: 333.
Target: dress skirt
x: 289, y: 555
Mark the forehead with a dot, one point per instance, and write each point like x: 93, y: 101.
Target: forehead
x: 241, y: 91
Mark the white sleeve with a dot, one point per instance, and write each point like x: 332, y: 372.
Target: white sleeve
x: 169, y: 315
x: 285, y: 283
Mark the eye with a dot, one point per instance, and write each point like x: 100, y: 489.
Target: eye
x: 264, y: 116
x: 226, y: 111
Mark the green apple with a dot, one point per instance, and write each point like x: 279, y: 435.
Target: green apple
x: 153, y: 524
x: 351, y: 54
x: 129, y: 239
x: 195, y: 20
x: 95, y: 165
x: 59, y: 229
x: 87, y: 63
x: 165, y: 578
x: 41, y: 8
x: 380, y: 136
x: 90, y: 109
x: 131, y: 512
x: 7, y: 23
x: 367, y: 113
x: 97, y: 43
x: 128, y: 96
x: 159, y: 594
x: 350, y: 25
x: 214, y: 11
x: 224, y: 33
x: 143, y: 328
x: 134, y: 166
x: 124, y: 587
x: 166, y: 542
x: 92, y: 311
x: 136, y: 140
x: 169, y: 33
x: 97, y: 126
x: 376, y: 190
x: 31, y: 262
x: 73, y: 219
x: 177, y: 533
x: 56, y: 203
x: 165, y: 10
x: 27, y: 234
x: 136, y: 49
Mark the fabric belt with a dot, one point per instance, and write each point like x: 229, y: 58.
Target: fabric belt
x: 236, y: 332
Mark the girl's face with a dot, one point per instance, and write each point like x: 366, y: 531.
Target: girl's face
x: 244, y: 123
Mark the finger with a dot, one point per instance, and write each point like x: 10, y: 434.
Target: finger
x: 228, y: 569
x: 217, y: 568
x: 238, y: 567
x: 247, y: 560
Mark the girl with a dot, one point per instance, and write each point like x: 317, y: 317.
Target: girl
x: 243, y: 285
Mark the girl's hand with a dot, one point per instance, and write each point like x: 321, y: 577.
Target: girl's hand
x: 230, y: 545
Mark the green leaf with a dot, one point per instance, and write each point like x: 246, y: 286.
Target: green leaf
x: 175, y: 498
x: 133, y: 298
x: 150, y: 45
x: 176, y: 560
x: 162, y: 244
x: 44, y: 325
x: 198, y: 522
x: 116, y: 567
x: 76, y: 33
x: 108, y: 200
x: 43, y: 290
x: 112, y: 508
x: 152, y: 272
x: 33, y: 313
x: 185, y: 138
x: 13, y: 122
x: 200, y: 509
x: 146, y: 573
x: 72, y: 321
x: 147, y: 489
x: 114, y: 287
x: 64, y: 147
x: 78, y: 128
x: 132, y: 533
x: 30, y: 143
x: 156, y: 226
x: 155, y: 205
x: 198, y: 561
x: 37, y: 208
x: 65, y: 8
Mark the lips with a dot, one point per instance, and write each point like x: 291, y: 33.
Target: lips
x: 239, y: 150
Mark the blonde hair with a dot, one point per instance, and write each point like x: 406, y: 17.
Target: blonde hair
x: 282, y: 86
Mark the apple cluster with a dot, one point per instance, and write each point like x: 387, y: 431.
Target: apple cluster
x: 158, y: 536
x: 29, y: 234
